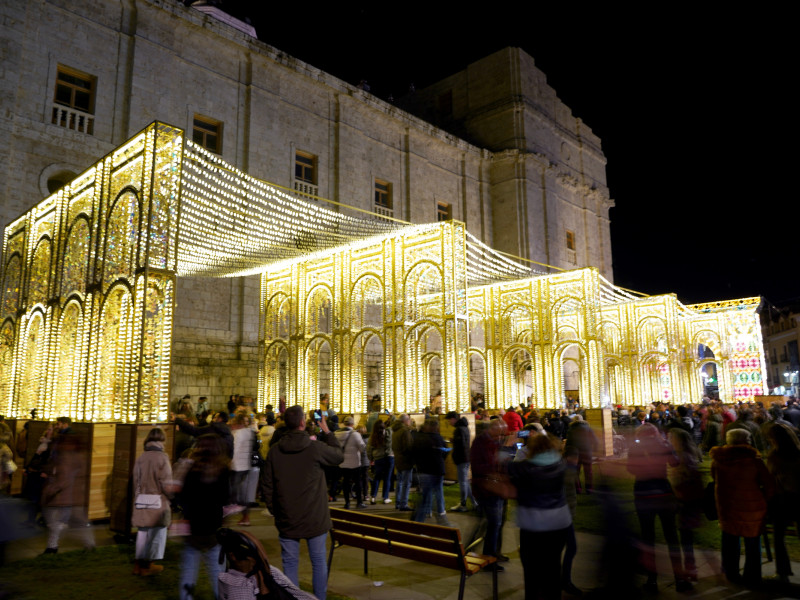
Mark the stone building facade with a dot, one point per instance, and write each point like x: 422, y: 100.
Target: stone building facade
x: 492, y: 146
x: 781, y: 334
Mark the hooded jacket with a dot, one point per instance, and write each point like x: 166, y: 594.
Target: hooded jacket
x: 743, y: 486
x: 294, y: 483
x: 461, y: 441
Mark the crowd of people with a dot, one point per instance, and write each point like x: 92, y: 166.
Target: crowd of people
x: 297, y: 462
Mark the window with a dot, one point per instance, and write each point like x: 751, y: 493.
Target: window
x: 570, y: 240
x: 383, y: 197
x: 73, y: 101
x: 207, y: 132
x: 305, y: 173
x: 572, y: 256
x: 305, y: 167
x: 444, y: 211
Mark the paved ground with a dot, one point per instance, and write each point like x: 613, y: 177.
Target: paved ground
x: 390, y: 578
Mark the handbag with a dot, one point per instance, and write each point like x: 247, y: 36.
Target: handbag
x: 496, y: 484
x: 148, y: 501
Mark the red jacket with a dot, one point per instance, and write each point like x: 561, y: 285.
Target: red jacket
x: 743, y: 486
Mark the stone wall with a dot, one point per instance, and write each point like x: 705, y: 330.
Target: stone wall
x: 529, y: 171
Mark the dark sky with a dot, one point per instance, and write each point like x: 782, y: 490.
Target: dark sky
x: 693, y: 110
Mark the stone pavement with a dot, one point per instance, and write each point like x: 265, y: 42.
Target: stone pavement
x: 390, y: 578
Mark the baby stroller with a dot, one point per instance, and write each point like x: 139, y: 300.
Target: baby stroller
x: 249, y: 575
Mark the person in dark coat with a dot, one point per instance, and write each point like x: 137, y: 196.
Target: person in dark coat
x: 218, y: 426
x: 581, y: 436
x: 403, y: 459
x: 543, y: 516
x: 203, y: 493
x: 429, y: 451
x: 488, y: 466
x: 743, y: 487
x: 461, y: 443
x: 296, y: 494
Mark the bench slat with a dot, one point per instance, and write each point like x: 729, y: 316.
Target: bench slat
x: 431, y: 531
x: 394, y: 535
x: 433, y: 557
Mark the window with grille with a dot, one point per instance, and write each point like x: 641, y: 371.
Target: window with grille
x: 207, y: 133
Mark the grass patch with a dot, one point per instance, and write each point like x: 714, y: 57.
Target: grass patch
x: 106, y: 572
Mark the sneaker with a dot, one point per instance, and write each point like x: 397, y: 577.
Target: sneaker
x: 372, y: 501
x: 406, y: 508
x: 49, y: 551
x: 266, y: 513
x: 361, y: 505
x: 387, y: 500
x: 459, y: 508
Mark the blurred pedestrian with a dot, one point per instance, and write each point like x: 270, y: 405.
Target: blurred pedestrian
x: 205, y: 490
x: 687, y: 485
x: 648, y: 459
x: 490, y: 485
x: 543, y: 516
x: 243, y: 452
x: 64, y: 498
x: 783, y: 463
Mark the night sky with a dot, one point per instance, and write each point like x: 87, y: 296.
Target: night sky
x: 693, y: 110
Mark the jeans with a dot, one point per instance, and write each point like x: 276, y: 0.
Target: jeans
x: 431, y: 488
x: 492, y: 508
x: 540, y: 554
x: 190, y: 566
x: 59, y: 518
x: 649, y: 508
x: 290, y: 555
x: 752, y: 558
x: 383, y: 472
x: 463, y: 484
x: 403, y: 488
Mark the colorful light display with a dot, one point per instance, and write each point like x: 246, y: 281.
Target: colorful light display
x: 88, y: 302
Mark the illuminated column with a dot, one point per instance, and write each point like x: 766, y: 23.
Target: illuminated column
x: 340, y: 326
x: 455, y: 355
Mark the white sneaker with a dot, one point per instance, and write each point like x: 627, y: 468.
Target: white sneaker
x: 387, y: 500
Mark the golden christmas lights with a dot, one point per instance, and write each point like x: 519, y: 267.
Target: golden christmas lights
x: 88, y: 300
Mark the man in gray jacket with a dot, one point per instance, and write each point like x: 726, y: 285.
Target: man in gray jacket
x: 296, y: 494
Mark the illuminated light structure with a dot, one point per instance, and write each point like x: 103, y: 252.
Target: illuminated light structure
x: 88, y: 301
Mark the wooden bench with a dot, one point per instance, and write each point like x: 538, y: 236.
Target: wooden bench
x: 432, y: 544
